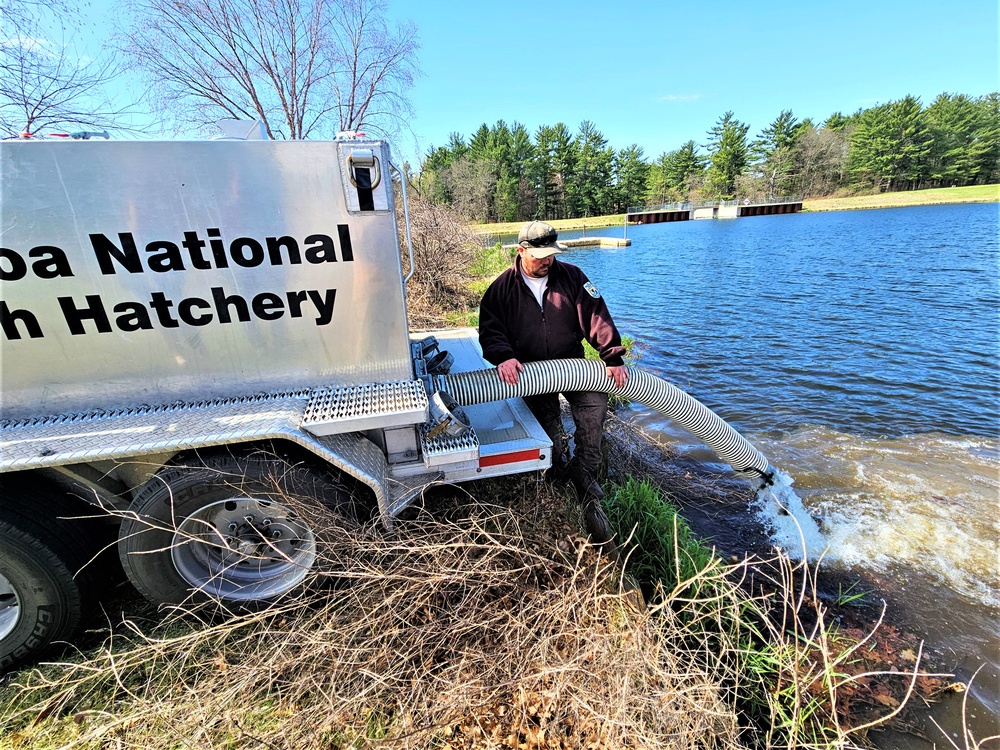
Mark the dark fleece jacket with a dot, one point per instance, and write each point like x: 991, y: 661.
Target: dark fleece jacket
x: 512, y: 325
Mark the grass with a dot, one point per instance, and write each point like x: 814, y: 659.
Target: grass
x: 584, y: 222
x: 614, y: 401
x: 471, y: 625
x: 490, y: 261
x: 462, y: 628
x: 690, y: 587
x: 663, y: 554
x: 849, y: 596
x: 970, y: 194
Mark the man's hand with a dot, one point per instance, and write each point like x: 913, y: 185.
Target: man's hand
x: 619, y: 375
x: 509, y: 370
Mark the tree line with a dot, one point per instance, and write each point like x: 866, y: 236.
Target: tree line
x: 503, y: 173
x: 308, y: 68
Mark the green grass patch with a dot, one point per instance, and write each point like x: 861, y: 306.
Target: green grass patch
x: 492, y: 260
x: 661, y: 547
x: 777, y: 673
x: 933, y: 196
x: 629, y: 343
x: 560, y: 225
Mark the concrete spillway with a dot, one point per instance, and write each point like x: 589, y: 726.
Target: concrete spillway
x: 712, y: 210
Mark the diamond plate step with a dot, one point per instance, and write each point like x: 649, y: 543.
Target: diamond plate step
x: 90, y: 436
x: 361, y: 407
x: 442, y: 449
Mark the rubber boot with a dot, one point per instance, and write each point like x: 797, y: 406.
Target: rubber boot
x: 597, y: 523
x: 558, y: 473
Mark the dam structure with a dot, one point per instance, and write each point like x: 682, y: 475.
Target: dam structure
x: 720, y: 209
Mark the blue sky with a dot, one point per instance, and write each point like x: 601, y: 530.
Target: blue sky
x: 661, y: 73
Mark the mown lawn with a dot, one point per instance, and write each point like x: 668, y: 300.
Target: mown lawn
x: 971, y: 194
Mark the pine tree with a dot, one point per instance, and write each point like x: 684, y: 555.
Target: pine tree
x: 773, y: 151
x: 890, y: 146
x: 630, y: 169
x: 729, y: 155
x: 592, y: 187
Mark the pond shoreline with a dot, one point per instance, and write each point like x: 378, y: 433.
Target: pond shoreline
x: 929, y: 197
x: 860, y: 605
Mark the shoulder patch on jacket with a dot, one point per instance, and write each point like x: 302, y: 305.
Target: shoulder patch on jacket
x: 592, y: 290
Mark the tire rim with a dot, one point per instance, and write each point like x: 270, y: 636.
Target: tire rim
x: 243, y: 549
x: 10, y: 607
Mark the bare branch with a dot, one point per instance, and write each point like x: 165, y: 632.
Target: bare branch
x: 303, y: 67
x: 46, y: 84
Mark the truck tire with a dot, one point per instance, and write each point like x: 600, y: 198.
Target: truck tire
x: 235, y: 531
x: 54, y: 565
x: 40, y: 601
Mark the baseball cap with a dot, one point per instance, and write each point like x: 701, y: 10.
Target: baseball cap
x: 539, y: 239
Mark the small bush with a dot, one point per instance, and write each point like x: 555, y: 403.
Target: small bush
x: 493, y: 260
x: 444, y: 251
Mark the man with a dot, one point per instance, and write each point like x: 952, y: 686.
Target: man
x: 542, y: 308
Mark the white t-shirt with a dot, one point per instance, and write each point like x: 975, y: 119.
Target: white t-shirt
x: 537, y: 286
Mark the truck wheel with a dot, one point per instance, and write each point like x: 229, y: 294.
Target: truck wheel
x: 239, y: 532
x: 40, y: 601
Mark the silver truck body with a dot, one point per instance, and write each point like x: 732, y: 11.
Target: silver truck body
x: 159, y: 297
x: 170, y: 271
x: 150, y: 289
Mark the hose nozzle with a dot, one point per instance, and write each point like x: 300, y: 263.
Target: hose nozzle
x: 766, y: 476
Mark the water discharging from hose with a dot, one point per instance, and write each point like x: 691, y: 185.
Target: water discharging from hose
x: 781, y: 512
x: 778, y: 507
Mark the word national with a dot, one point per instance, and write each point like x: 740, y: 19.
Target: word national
x: 196, y: 253
x: 192, y: 253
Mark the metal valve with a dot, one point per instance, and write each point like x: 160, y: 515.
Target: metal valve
x: 446, y: 416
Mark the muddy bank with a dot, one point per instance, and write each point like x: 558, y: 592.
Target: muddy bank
x: 716, y: 506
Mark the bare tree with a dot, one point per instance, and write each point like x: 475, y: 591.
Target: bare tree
x: 376, y: 62
x: 46, y: 84
x: 303, y: 67
x: 820, y: 161
x: 472, y: 182
x: 26, y: 15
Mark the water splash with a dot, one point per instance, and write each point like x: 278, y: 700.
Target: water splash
x: 780, y: 510
x: 926, y: 503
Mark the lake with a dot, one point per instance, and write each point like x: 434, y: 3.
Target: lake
x: 859, y: 352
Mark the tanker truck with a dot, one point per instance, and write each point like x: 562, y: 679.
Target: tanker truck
x: 203, y: 344
x: 205, y: 357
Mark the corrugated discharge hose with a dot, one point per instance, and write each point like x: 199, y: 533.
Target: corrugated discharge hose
x: 558, y: 375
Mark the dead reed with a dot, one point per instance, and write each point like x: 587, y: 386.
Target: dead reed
x: 479, y: 622
x: 464, y: 633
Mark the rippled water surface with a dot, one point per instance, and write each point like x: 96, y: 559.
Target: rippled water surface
x: 880, y: 322
x: 859, y: 352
